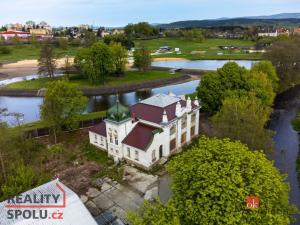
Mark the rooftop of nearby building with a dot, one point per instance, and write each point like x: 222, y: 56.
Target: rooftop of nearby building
x: 161, y: 100
x: 99, y: 129
x: 141, y: 136
x: 74, y: 213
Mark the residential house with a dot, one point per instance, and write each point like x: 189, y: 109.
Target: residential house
x: 149, y: 131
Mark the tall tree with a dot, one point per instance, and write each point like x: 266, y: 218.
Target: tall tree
x: 47, y: 62
x: 285, y: 56
x: 62, y: 105
x: 230, y: 80
x: 67, y: 66
x: 267, y: 68
x: 96, y: 62
x: 244, y: 119
x: 142, y: 58
x: 210, y: 184
x: 119, y: 54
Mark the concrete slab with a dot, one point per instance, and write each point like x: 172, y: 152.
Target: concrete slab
x: 138, y: 180
x: 91, y: 206
x: 105, y: 186
x: 103, y: 202
x: 93, y: 192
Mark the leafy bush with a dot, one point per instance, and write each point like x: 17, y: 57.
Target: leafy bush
x: 4, y: 50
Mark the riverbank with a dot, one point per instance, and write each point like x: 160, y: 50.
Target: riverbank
x: 104, y: 90
x: 24, y: 68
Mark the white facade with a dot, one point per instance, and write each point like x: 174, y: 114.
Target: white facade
x: 160, y: 139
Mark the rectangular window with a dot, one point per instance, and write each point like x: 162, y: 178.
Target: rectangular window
x: 183, y: 138
x: 95, y: 139
x: 193, y: 118
x: 173, y: 144
x: 153, y: 156
x: 116, y: 140
x: 128, y: 152
x: 101, y: 141
x: 136, y: 155
x: 193, y: 131
x: 110, y: 138
x: 173, y: 129
x: 183, y: 123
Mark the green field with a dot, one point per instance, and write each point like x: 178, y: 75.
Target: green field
x: 23, y: 52
x: 208, y: 49
x: 129, y: 78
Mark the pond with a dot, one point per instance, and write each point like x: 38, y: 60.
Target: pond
x: 201, y: 64
x: 29, y: 106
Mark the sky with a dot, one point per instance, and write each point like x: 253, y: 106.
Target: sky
x: 114, y: 13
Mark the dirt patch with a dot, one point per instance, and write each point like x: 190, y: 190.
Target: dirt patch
x: 79, y: 178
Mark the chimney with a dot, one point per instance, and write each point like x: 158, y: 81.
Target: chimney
x: 189, y: 104
x: 165, y: 118
x: 178, y: 109
x: 196, y: 102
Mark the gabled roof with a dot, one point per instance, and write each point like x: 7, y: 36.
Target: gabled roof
x: 74, y: 213
x: 161, y: 100
x: 141, y: 136
x: 14, y: 32
x: 99, y: 129
x: 154, y: 114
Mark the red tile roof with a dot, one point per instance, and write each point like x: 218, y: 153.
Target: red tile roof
x: 154, y: 113
x: 14, y: 32
x: 99, y: 129
x: 141, y: 136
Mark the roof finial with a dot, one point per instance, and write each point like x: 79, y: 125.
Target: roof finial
x: 117, y: 96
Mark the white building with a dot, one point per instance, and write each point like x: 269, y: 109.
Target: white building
x: 148, y: 131
x: 8, y: 35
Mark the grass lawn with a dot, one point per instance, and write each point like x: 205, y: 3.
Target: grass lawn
x: 208, y: 49
x: 129, y: 78
x: 23, y: 52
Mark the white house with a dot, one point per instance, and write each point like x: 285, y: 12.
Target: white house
x: 148, y: 131
x: 7, y: 35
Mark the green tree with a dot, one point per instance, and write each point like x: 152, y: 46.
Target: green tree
x: 244, y: 119
x: 285, y: 56
x: 142, y: 58
x: 63, y: 43
x: 89, y: 38
x: 47, y: 62
x: 119, y: 54
x: 21, y: 179
x: 210, y: 183
x: 163, y: 215
x: 141, y: 30
x: 267, y: 68
x: 230, y: 80
x: 96, y: 62
x: 62, y: 105
x: 125, y: 40
x: 67, y: 66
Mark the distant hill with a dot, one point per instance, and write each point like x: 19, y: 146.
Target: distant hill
x: 242, y: 22
x: 277, y: 16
